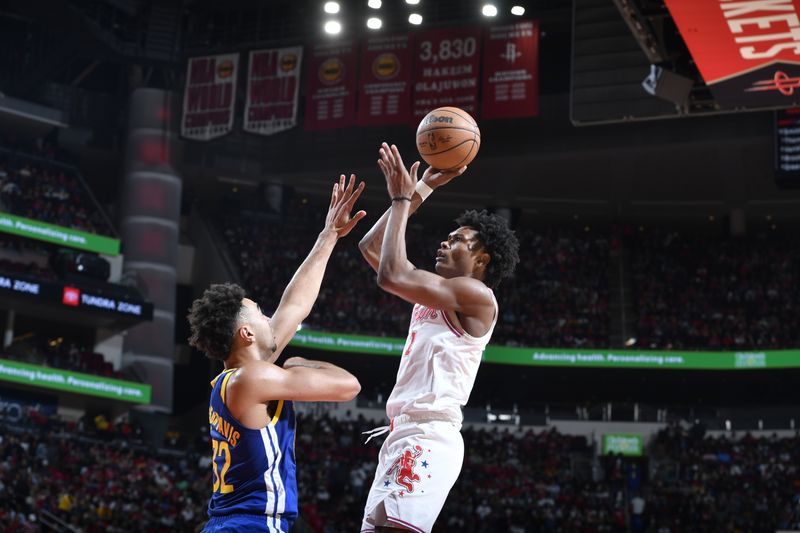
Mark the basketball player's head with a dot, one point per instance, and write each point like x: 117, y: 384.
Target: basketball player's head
x: 223, y: 320
x: 483, y: 247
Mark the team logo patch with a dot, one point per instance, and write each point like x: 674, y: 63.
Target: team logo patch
x: 225, y: 69
x: 402, y: 469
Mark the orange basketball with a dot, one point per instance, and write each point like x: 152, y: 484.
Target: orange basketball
x: 448, y: 138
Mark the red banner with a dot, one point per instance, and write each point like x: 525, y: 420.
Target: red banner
x: 747, y: 51
x: 446, y: 72
x: 209, y: 97
x: 331, y: 90
x: 273, y: 81
x: 385, y: 82
x: 511, y: 71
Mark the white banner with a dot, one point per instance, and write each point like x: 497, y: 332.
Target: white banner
x: 273, y: 82
x: 210, y: 96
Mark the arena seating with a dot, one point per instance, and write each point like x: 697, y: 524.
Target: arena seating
x: 42, y: 189
x: 100, y: 476
x: 716, y: 293
x: 58, y: 352
x: 558, y: 296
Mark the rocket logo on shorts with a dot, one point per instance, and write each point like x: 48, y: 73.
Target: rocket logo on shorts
x: 403, y: 468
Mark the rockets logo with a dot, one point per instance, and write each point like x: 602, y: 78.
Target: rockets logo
x: 403, y: 468
x: 780, y: 82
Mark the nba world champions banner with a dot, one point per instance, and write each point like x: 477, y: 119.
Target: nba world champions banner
x: 447, y: 70
x: 331, y: 89
x: 385, y: 82
x: 209, y: 97
x: 273, y: 82
x: 748, y: 51
x: 511, y: 71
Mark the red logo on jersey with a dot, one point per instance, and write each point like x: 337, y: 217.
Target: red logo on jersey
x: 403, y: 468
x: 424, y: 313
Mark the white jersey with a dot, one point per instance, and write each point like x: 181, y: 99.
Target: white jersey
x: 438, y: 367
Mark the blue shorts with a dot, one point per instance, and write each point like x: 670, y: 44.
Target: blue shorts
x: 236, y: 523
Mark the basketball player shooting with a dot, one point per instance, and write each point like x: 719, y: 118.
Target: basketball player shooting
x: 251, y: 417
x: 452, y: 321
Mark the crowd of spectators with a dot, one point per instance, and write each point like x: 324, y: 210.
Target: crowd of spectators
x: 701, y: 292
x: 95, y: 476
x: 43, y: 190
x: 58, y: 352
x: 706, y: 483
x: 100, y: 476
x: 558, y: 296
x: 25, y: 256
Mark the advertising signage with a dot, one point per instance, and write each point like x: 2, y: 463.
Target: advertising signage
x: 75, y: 382
x: 645, y: 359
x: 623, y: 444
x: 74, y: 295
x: 747, y: 51
x: 81, y: 240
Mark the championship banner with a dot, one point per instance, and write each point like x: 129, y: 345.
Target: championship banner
x: 209, y: 97
x: 331, y: 91
x: 446, y: 72
x: 511, y: 71
x: 385, y: 84
x: 273, y: 82
x: 747, y: 51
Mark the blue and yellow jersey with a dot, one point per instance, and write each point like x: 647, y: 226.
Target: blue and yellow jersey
x: 253, y: 469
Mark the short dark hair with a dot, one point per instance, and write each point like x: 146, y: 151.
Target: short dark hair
x: 498, y: 240
x: 212, y: 319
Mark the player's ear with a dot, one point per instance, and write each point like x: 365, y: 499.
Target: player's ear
x: 245, y: 333
x: 483, y: 259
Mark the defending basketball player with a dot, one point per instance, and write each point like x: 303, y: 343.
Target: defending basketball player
x: 452, y: 321
x: 251, y: 418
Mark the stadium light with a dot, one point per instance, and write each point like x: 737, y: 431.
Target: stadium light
x: 415, y: 18
x: 333, y: 27
x: 374, y: 4
x: 374, y: 23
x: 412, y: 2
x: 518, y: 11
x: 331, y: 7
x: 489, y: 10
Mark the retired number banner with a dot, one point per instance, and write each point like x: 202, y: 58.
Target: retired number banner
x: 385, y: 82
x: 511, y: 71
x: 331, y: 90
x: 273, y: 82
x: 446, y: 73
x: 209, y: 97
x: 748, y: 51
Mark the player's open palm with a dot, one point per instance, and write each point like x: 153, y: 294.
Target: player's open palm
x: 343, y: 199
x: 435, y: 178
x: 399, y: 182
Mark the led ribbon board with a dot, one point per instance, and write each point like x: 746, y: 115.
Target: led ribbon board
x: 646, y: 359
x: 75, y: 382
x: 33, y: 229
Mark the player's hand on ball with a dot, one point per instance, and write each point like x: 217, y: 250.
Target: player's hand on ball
x: 342, y: 200
x: 435, y: 178
x: 399, y: 182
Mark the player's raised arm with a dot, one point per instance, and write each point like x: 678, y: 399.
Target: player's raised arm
x: 453, y: 290
x: 432, y: 179
x: 301, y: 293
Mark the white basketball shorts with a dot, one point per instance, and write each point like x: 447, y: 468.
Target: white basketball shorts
x: 418, y: 464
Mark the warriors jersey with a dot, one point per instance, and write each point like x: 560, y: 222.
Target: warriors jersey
x: 438, y: 367
x: 253, y: 469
